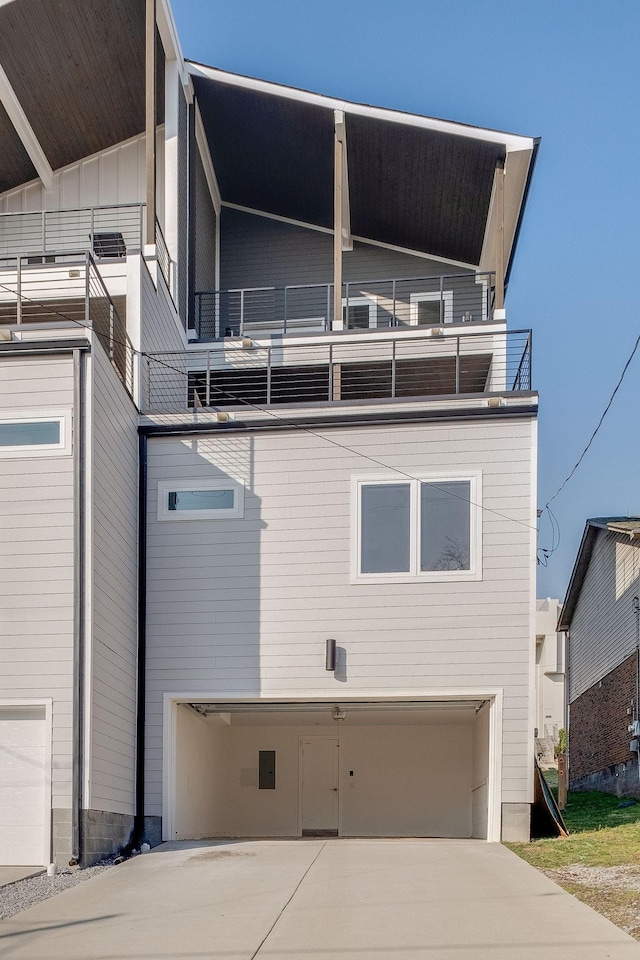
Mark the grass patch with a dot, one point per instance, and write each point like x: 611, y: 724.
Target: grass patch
x: 601, y: 834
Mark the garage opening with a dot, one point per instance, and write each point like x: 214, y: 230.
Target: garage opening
x: 23, y: 786
x: 376, y: 769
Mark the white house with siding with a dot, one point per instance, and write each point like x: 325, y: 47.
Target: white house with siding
x: 267, y: 455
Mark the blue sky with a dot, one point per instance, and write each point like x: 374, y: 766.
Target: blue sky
x: 568, y: 71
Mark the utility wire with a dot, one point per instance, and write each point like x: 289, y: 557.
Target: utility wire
x: 599, y: 424
x: 291, y: 423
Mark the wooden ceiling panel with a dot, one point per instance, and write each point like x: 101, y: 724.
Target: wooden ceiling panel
x: 15, y: 165
x: 77, y: 67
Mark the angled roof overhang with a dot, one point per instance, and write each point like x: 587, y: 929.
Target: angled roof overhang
x: 625, y: 526
x: 414, y: 182
x: 77, y: 70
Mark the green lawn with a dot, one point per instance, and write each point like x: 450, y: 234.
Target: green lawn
x: 601, y: 833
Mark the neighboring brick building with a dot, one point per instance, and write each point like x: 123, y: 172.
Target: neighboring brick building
x: 601, y: 615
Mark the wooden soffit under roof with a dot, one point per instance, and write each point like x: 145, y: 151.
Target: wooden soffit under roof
x: 15, y: 165
x: 77, y: 68
x: 414, y: 182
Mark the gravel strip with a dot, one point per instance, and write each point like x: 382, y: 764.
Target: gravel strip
x: 621, y: 878
x: 19, y: 896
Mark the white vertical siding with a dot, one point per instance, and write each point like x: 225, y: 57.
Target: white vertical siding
x: 36, y: 561
x: 244, y: 607
x: 111, y: 177
x: 603, y: 628
x: 114, y: 471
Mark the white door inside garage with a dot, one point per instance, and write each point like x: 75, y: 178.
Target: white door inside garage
x: 374, y: 769
x: 23, y: 784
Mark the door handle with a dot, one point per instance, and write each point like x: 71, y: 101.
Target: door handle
x: 335, y: 789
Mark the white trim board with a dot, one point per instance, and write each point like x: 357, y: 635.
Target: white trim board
x: 24, y: 130
x: 472, y: 267
x: 493, y: 695
x: 511, y: 141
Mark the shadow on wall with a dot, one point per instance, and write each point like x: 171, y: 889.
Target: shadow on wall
x: 203, y: 605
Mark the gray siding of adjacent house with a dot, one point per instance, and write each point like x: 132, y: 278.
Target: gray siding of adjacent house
x: 603, y: 627
x: 256, y: 251
x: 36, y: 561
x: 160, y: 334
x: 244, y: 607
x: 114, y: 471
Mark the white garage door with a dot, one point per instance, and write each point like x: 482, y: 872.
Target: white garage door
x: 22, y: 785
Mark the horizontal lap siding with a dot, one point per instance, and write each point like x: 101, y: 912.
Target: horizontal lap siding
x: 244, y: 607
x: 603, y: 627
x: 114, y: 592
x: 256, y: 251
x: 36, y: 560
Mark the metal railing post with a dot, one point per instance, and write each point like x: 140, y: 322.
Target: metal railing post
x: 286, y: 308
x: 268, y: 375
x: 92, y: 227
x: 241, y: 312
x: 330, y: 397
x: 111, y: 343
x: 457, y: 364
x: 393, y: 369
x: 346, y: 307
x: 328, y: 323
x: 394, y: 319
x: 18, y: 289
x: 530, y: 351
x: 207, y: 386
x: 44, y: 231
x: 441, y: 302
x: 87, y: 290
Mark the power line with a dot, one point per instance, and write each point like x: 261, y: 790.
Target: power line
x: 599, y: 424
x: 291, y: 423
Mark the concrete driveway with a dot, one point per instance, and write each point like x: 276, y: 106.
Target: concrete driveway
x: 326, y: 900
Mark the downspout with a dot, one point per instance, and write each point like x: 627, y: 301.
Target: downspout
x: 138, y: 824
x: 78, y: 608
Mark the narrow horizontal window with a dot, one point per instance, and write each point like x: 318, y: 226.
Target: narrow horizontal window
x: 200, y: 500
x: 35, y: 434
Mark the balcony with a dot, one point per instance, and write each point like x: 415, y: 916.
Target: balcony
x: 109, y: 233
x: 408, y: 364
x: 366, y: 305
x: 71, y: 291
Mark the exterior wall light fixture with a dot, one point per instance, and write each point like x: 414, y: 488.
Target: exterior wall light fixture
x: 330, y: 655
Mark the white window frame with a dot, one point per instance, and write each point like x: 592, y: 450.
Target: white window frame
x: 165, y: 487
x: 445, y: 295
x: 371, y: 302
x: 62, y: 448
x: 415, y: 574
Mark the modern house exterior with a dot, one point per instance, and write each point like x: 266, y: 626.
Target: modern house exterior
x: 601, y: 620
x: 549, y: 678
x: 267, y: 455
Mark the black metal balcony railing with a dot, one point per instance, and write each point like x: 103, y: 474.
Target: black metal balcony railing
x: 108, y: 232
x: 366, y: 304
x: 70, y: 291
x: 397, y: 367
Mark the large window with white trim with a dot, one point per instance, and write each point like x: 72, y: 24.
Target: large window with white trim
x: 417, y: 529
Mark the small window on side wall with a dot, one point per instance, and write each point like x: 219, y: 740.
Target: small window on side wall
x: 200, y: 500
x: 35, y: 434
